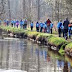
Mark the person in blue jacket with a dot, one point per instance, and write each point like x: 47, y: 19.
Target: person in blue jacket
x: 62, y: 29
x: 7, y: 22
x: 70, y: 30
x: 51, y: 26
x: 21, y: 24
x: 59, y: 28
x: 37, y: 26
x: 41, y: 26
x: 45, y: 27
x: 31, y: 25
x: 12, y: 23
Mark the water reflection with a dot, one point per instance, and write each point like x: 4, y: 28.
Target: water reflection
x: 27, y: 56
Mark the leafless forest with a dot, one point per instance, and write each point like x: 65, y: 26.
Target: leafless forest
x: 36, y: 10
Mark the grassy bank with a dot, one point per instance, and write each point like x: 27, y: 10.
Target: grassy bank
x: 42, y: 37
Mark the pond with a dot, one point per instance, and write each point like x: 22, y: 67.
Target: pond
x: 22, y: 55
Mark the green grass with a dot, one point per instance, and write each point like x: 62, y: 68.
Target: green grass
x: 56, y: 40
x: 51, y: 38
x: 62, y: 49
x: 69, y: 46
x: 12, y: 29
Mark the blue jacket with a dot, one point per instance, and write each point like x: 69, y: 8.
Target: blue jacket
x: 51, y: 25
x: 21, y: 22
x: 37, y: 24
x: 12, y: 21
x: 45, y: 26
x: 59, y: 25
x: 0, y: 21
x: 31, y: 24
x: 69, y: 28
x: 5, y: 21
x: 62, y: 27
x: 41, y: 24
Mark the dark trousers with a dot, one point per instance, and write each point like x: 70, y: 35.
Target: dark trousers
x: 37, y: 29
x: 41, y: 29
x: 65, y: 33
x: 59, y: 32
x: 12, y: 24
x: 51, y: 31
x: 31, y: 28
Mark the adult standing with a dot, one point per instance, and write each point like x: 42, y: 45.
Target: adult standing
x: 48, y: 25
x: 65, y: 24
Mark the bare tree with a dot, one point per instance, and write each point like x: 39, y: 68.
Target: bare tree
x: 9, y: 10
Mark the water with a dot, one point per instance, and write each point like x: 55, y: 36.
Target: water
x: 20, y: 55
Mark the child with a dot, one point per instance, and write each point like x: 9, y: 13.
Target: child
x: 12, y: 23
x: 45, y: 27
x: 21, y: 24
x: 17, y: 23
x: 59, y: 25
x: 37, y: 27
x: 70, y: 29
x: 31, y: 25
x: 41, y: 26
x: 51, y: 26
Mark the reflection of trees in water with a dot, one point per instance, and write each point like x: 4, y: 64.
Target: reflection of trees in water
x: 65, y: 69
x: 4, y: 46
x: 7, y: 59
x: 1, y: 53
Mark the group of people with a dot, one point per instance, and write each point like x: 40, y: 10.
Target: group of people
x: 16, y: 23
x: 65, y: 28
x: 45, y: 27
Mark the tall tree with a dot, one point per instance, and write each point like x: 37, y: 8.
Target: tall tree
x: 9, y: 10
x: 24, y: 8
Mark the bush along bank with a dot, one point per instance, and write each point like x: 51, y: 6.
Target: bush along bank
x: 55, y: 43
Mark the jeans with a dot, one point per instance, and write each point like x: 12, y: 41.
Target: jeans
x: 48, y: 29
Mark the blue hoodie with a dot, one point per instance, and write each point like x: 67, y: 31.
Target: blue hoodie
x: 51, y: 25
x: 37, y: 24
x: 59, y: 25
x: 45, y: 25
x: 21, y: 22
x: 41, y: 24
x: 31, y: 24
x: 12, y: 21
